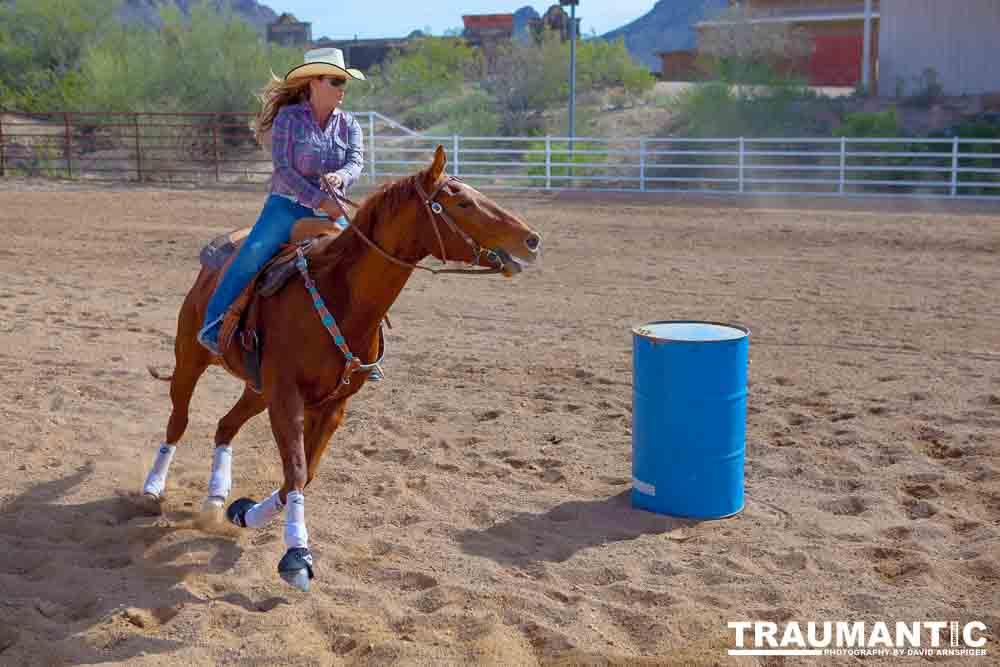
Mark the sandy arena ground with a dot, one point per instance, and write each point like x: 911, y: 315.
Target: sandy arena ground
x: 474, y: 508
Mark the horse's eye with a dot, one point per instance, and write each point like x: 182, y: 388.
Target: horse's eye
x: 465, y: 204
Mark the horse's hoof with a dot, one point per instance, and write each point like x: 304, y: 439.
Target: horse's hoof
x: 296, y: 568
x: 297, y: 579
x: 236, y: 512
x: 212, y: 509
x: 148, y: 503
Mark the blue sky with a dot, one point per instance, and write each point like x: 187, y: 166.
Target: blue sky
x: 397, y: 18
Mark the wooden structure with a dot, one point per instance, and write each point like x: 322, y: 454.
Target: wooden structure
x: 835, y: 27
x: 363, y: 53
x: 959, y: 41
x: 487, y: 32
x: 555, y: 19
x: 289, y: 31
x: 679, y: 65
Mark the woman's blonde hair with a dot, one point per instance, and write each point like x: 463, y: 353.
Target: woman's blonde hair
x: 276, y: 94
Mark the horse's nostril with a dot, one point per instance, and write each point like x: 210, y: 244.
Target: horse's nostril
x: 532, y: 242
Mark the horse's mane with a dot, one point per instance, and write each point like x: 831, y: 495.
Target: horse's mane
x: 381, y: 204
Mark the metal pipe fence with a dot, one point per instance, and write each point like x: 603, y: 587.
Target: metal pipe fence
x: 219, y: 148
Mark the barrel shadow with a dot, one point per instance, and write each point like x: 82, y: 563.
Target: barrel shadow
x: 556, y: 535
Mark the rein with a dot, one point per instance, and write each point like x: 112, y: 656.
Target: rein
x: 433, y: 209
x: 353, y: 364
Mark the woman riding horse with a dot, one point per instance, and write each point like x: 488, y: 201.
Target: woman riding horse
x: 315, y: 148
x: 314, y: 330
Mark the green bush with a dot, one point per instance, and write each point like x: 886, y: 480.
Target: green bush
x: 602, y: 64
x: 74, y: 56
x: 986, y: 127
x: 212, y: 62
x: 528, y: 79
x: 58, y: 55
x: 866, y: 125
x: 41, y: 43
x: 474, y: 115
x: 563, y: 163
x: 720, y: 109
x: 430, y: 69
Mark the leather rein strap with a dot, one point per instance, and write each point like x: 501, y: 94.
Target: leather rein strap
x: 434, y: 209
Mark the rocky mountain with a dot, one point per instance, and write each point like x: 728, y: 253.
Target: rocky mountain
x: 147, y: 12
x: 669, y: 26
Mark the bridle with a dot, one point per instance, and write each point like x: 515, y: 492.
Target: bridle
x: 434, y: 210
x: 353, y: 364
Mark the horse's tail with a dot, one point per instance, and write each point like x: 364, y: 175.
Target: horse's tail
x: 156, y: 374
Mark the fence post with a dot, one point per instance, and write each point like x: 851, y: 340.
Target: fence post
x: 642, y: 165
x: 215, y: 144
x: 843, y: 164
x: 66, y: 146
x: 371, y: 148
x: 742, y: 152
x: 3, y: 156
x: 138, y: 153
x: 548, y: 162
x: 454, y: 152
x: 954, y: 166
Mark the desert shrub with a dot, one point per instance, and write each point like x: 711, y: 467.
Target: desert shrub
x: 986, y: 126
x: 722, y: 109
x: 868, y: 125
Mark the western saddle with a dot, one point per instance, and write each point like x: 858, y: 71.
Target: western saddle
x: 240, y: 322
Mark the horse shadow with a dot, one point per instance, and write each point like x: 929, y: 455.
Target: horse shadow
x: 89, y: 582
x: 559, y: 533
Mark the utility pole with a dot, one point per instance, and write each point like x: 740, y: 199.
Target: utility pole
x: 572, y: 74
x: 866, y: 56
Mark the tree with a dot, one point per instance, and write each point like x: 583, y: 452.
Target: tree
x: 41, y: 43
x: 529, y: 78
x: 746, y: 51
x: 214, y: 61
x: 429, y: 69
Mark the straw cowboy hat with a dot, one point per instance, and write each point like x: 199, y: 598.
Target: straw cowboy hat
x: 324, y: 62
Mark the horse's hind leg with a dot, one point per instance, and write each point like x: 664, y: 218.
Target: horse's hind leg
x: 191, y: 361
x: 221, y: 479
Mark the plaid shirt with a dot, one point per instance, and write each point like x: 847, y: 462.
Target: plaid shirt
x: 302, y: 152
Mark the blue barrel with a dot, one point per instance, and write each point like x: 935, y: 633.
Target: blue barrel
x: 689, y: 406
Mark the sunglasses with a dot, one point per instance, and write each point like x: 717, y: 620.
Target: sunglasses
x: 335, y: 83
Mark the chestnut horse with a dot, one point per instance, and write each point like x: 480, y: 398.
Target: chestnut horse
x: 306, y: 379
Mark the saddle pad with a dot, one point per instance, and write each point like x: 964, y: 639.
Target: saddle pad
x: 214, y: 255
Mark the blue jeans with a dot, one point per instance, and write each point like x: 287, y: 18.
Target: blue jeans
x: 272, y: 230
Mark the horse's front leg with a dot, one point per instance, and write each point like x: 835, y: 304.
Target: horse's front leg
x: 320, y: 427
x: 287, y: 415
x: 287, y: 423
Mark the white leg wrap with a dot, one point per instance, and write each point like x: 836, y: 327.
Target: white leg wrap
x: 156, y: 480
x: 296, y: 534
x: 221, y: 482
x: 261, y: 514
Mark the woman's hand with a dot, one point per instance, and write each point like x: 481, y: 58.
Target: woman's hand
x: 331, y: 209
x: 333, y: 181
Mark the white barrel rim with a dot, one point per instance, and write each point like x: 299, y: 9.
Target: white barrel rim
x: 644, y: 331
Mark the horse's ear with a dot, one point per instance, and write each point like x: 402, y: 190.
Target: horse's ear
x: 437, y: 167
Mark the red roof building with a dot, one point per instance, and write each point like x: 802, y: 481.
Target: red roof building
x: 488, y: 31
x: 835, y: 27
